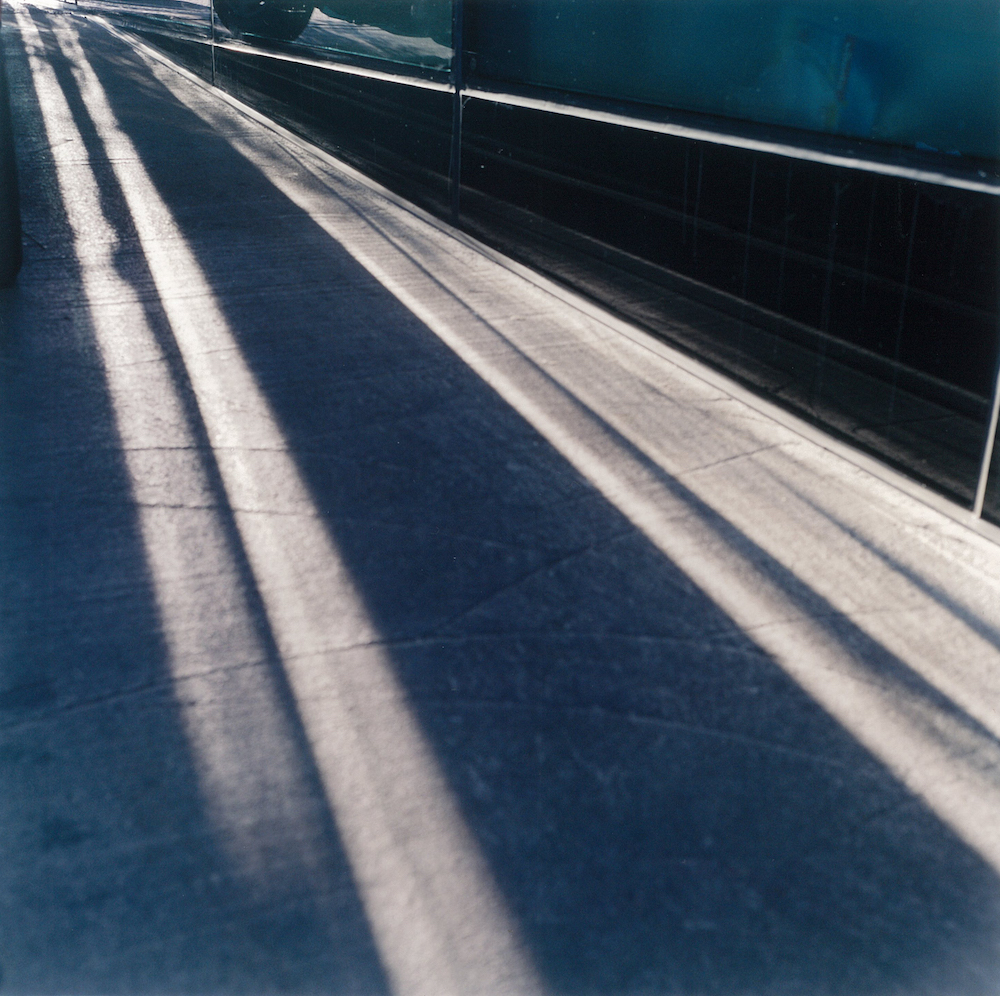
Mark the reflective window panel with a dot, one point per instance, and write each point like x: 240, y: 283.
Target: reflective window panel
x: 866, y: 302
x: 181, y: 27
x: 416, y: 33
x: 397, y: 132
x: 896, y: 71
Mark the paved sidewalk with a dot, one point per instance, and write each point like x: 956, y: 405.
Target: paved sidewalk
x: 377, y: 619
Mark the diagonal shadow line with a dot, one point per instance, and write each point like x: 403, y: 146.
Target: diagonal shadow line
x: 574, y: 472
x: 11, y: 302
x: 867, y: 651
x: 112, y: 195
x: 863, y: 648
x: 991, y: 634
x: 160, y: 328
x: 86, y: 790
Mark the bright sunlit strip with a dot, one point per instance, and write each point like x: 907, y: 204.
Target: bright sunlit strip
x: 437, y: 919
x: 934, y: 758
x: 246, y: 761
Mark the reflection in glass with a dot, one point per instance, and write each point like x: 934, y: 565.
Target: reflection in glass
x: 865, y: 300
x: 413, y: 33
x: 419, y: 19
x: 186, y: 18
x: 279, y: 21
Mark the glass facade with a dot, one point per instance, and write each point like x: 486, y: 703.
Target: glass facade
x: 804, y: 194
x: 900, y: 72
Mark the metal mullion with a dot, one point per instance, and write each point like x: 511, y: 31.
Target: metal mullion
x: 991, y: 436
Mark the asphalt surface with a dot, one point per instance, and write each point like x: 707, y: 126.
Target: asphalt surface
x: 375, y: 619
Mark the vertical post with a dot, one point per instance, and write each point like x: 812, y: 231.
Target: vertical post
x: 991, y: 438
x: 901, y: 324
x: 457, y: 58
x: 211, y: 39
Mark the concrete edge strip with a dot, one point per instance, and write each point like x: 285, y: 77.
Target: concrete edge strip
x: 720, y: 381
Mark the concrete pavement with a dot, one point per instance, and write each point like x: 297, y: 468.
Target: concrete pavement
x: 376, y: 618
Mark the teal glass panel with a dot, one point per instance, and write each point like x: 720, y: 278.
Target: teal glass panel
x: 918, y: 73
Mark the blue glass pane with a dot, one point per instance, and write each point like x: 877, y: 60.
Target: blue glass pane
x: 919, y: 73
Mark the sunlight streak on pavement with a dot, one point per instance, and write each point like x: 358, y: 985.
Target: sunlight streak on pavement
x: 250, y: 777
x: 438, y: 922
x: 952, y: 763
